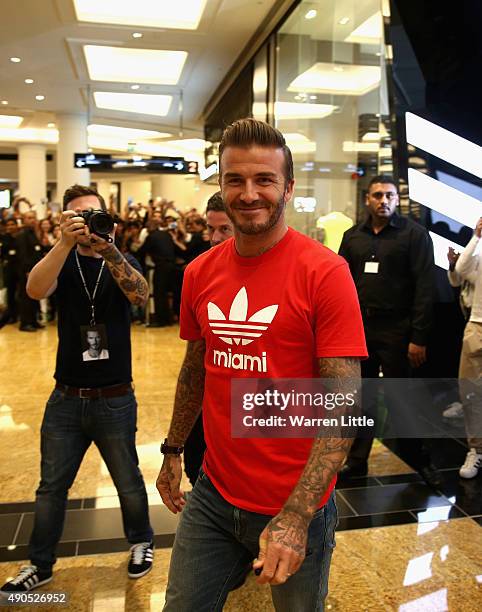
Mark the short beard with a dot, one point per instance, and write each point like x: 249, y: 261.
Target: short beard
x: 251, y: 228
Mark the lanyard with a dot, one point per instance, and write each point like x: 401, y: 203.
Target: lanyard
x: 91, y: 297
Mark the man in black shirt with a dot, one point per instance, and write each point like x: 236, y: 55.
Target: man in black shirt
x: 93, y: 400
x: 8, y: 260
x: 160, y: 247
x: 392, y: 263
x: 29, y: 252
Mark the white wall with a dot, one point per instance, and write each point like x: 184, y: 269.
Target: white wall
x: 186, y: 191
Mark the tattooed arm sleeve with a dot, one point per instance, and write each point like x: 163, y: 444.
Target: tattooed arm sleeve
x: 327, y: 454
x: 189, y: 393
x: 132, y: 284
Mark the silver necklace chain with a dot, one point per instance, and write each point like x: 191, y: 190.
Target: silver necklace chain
x: 91, y: 297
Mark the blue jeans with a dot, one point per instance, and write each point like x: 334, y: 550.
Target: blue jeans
x: 216, y: 543
x: 69, y: 426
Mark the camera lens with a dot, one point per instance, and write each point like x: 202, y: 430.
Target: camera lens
x: 101, y: 223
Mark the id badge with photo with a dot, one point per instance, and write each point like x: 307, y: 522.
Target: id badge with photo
x: 371, y: 267
x: 94, y: 342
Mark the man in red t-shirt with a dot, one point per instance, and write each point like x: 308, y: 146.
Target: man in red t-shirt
x: 270, y: 303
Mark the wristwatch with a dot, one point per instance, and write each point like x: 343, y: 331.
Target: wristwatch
x: 171, y: 450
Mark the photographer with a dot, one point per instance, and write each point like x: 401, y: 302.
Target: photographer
x: 93, y: 399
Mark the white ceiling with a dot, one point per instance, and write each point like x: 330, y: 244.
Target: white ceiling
x: 49, y: 40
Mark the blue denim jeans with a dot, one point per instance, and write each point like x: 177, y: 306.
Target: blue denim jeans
x: 216, y: 543
x: 69, y: 426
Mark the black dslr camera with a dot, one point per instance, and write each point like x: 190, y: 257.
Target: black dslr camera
x: 99, y: 222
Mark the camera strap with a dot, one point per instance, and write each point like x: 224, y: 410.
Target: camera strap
x: 91, y: 297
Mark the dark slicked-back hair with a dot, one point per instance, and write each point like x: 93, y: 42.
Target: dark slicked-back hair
x: 77, y: 191
x: 383, y: 179
x: 250, y: 132
x: 215, y: 203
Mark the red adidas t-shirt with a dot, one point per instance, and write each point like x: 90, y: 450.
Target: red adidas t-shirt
x: 304, y: 296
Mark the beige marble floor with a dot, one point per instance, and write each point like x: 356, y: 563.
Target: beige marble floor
x: 27, y: 363
x: 412, y: 568
x: 429, y: 567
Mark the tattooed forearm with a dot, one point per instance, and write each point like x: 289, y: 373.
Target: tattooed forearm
x: 189, y: 393
x: 327, y: 455
x: 133, y: 285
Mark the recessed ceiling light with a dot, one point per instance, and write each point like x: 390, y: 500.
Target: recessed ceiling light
x: 145, y: 104
x: 137, y: 35
x: 135, y: 86
x: 29, y: 81
x: 5, y: 102
x: 295, y: 110
x: 343, y: 20
x: 182, y: 14
x: 311, y: 14
x: 40, y: 98
x: 346, y: 80
x: 50, y: 125
x: 10, y: 121
x: 15, y: 60
x: 116, y: 64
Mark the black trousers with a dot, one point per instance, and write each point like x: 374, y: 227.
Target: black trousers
x: 163, y: 282
x: 194, y: 450
x: 27, y: 307
x: 387, y: 340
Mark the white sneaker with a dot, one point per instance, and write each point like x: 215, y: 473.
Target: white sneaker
x: 473, y: 462
x: 454, y: 411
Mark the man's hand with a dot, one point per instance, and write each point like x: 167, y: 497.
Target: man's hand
x: 417, y: 355
x: 478, y: 228
x: 168, y: 483
x: 452, y: 256
x: 282, y: 547
x: 98, y: 244
x: 71, y: 227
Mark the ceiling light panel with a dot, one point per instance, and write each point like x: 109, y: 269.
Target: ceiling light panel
x: 123, y: 132
x: 29, y: 135
x: 145, y: 104
x: 181, y: 14
x: 369, y: 32
x: 10, y: 121
x: 295, y: 110
x: 121, y: 65
x: 336, y: 79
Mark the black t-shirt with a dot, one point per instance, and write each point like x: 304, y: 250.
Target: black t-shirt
x: 112, y: 309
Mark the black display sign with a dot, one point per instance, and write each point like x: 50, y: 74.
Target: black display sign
x: 135, y: 164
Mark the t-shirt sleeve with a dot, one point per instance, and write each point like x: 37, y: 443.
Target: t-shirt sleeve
x: 338, y: 322
x: 189, y: 327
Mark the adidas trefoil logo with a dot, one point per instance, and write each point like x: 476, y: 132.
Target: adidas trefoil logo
x: 237, y: 328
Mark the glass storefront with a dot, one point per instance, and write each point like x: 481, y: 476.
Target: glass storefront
x: 330, y: 102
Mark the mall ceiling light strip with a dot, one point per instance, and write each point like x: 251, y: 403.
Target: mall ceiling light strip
x: 181, y: 14
x: 444, y: 144
x: 145, y: 104
x: 443, y: 199
x: 126, y: 65
x: 337, y: 79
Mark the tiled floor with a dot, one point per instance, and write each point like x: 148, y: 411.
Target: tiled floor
x: 401, y: 545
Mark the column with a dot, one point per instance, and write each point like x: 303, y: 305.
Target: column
x: 72, y: 139
x: 156, y: 187
x: 32, y: 175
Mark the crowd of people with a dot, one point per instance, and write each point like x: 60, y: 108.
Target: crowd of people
x: 161, y: 237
